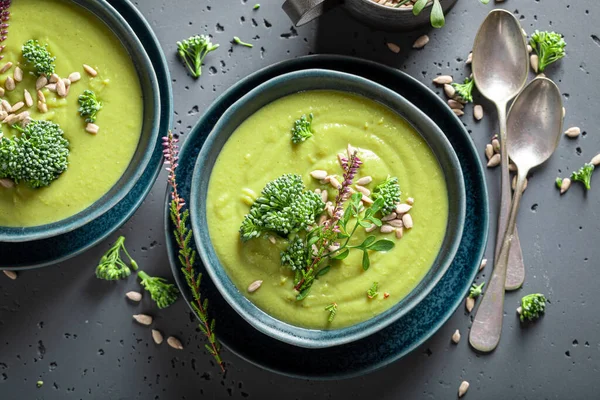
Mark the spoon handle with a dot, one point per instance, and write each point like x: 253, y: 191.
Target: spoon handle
x: 515, y: 275
x: 487, y: 325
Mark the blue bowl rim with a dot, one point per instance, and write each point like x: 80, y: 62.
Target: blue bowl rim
x: 27, y: 234
x: 278, y: 329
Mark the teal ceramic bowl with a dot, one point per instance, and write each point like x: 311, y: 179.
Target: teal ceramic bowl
x: 259, y: 97
x: 150, y: 127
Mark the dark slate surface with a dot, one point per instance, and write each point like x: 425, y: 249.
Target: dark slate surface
x: 62, y: 326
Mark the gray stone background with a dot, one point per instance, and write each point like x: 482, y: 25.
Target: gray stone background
x: 63, y: 326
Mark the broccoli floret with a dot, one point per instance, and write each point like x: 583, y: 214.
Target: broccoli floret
x: 38, y: 57
x: 549, y: 46
x: 5, y: 152
x: 584, y: 175
x: 111, y: 266
x: 162, y: 292
x: 302, y: 129
x: 532, y: 307
x: 295, y: 255
x: 389, y: 191
x: 476, y: 290
x: 89, y: 105
x: 559, y: 182
x: 285, y: 206
x: 192, y: 52
x: 39, y: 155
x: 465, y: 90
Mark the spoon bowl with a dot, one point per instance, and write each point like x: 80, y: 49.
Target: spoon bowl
x: 535, y: 124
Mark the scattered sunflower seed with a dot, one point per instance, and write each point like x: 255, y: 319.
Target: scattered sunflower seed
x: 455, y: 104
x: 459, y: 113
x: 74, y: 77
x: 469, y: 303
x: 407, y: 221
x: 469, y: 58
x: 410, y: 201
x: 365, y: 180
x: 399, y: 232
x: 91, y: 71
x: 9, y: 84
x: 363, y: 190
x: 420, y: 42
x: 143, y: 319
x: 496, y: 145
x: 565, y: 185
x: 393, y: 47
x: 389, y: 217
x: 41, y: 82
x: 596, y: 160
x: 386, y: 228
x: 534, y: 60
x: 366, y: 199
x: 462, y: 389
x: 449, y: 90
x: 5, y: 182
x: 92, y: 128
x: 28, y: 98
x: 396, y: 223
x: 456, y: 337
x: 478, y: 112
x: 18, y: 74
x: 11, y: 274
x: 573, y: 132
x: 494, y: 161
x: 483, y: 264
x: 17, y: 106
x: 157, y: 336
x: 254, y: 286
x: 318, y: 174
x: 334, y: 182
x: 54, y: 78
x: 174, y: 343
x: 489, y: 151
x: 443, y: 80
x: 134, y: 296
x: 6, y: 67
x: 403, y: 208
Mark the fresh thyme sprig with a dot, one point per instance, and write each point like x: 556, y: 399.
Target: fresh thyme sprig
x: 187, y: 255
x: 4, y: 17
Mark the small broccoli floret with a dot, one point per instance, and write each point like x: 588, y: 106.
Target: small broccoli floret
x: 389, y: 191
x: 38, y: 57
x: 192, y: 52
x: 111, y: 266
x: 476, y: 290
x: 532, y: 307
x: 465, y: 90
x: 39, y: 155
x: 5, y: 152
x: 284, y: 207
x: 549, y: 46
x: 302, y: 129
x: 559, y: 182
x: 295, y: 255
x: 162, y: 292
x: 89, y: 105
x: 584, y: 175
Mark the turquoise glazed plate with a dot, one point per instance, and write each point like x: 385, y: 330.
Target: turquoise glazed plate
x: 50, y: 251
x: 408, y: 332
x: 323, y: 79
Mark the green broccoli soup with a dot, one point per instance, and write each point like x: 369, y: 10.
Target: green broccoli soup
x: 65, y: 145
x: 326, y: 209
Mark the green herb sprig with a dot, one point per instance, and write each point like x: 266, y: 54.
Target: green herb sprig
x: 187, y: 255
x: 111, y: 266
x: 476, y: 290
x: 239, y: 41
x: 332, y: 308
x: 372, y: 292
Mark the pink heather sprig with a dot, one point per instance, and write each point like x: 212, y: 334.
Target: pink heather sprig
x: 4, y: 17
x: 350, y: 168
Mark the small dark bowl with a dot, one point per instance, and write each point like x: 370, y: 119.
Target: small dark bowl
x: 259, y: 97
x: 150, y: 126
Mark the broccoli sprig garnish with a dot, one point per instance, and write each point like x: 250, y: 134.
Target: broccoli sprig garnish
x: 532, y: 307
x: 111, y: 266
x: 284, y: 207
x: 192, y: 52
x: 38, y: 57
x: 296, y: 255
x: 389, y: 191
x: 476, y: 290
x: 302, y: 129
x: 89, y: 105
x: 162, y: 292
x: 465, y: 90
x: 584, y: 175
x: 549, y: 46
x: 38, y: 156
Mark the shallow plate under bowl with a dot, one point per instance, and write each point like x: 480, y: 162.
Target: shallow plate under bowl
x: 407, y: 333
x: 150, y: 94
x: 265, y: 94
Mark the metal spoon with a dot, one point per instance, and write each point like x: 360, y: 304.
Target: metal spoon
x: 534, y: 130
x: 500, y: 67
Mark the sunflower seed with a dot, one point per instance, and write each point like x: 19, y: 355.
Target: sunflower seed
x: 386, y: 229
x: 596, y: 160
x: 54, y: 78
x: 366, y: 199
x: 396, y: 223
x: 91, y: 71
x: 324, y: 196
x: 443, y: 80
x: 318, y: 174
x: 9, y: 84
x: 365, y: 180
x: 134, y: 296
x: 11, y: 274
x: 6, y: 183
x: 28, y: 98
x: 6, y: 105
x: 74, y: 77
x: 410, y: 201
x: 489, y: 151
x: 496, y: 145
x: 403, y: 208
x: 393, y: 47
x: 322, y: 219
x: 157, y: 336
x: 519, y: 310
x: 11, y: 119
x: 529, y: 48
x: 420, y: 42
x: 390, y: 216
x: 483, y: 264
x: 455, y: 104
x: 460, y: 113
x: 254, y: 286
x: 61, y: 88
x: 371, y: 228
x: 469, y: 304
x: 399, y: 232
x: 92, y: 128
x: 174, y: 343
x: 42, y: 107
x: 565, y: 185
x: 456, y: 337
x: 564, y: 112
x: 272, y: 240
x: 2, y: 91
x: 573, y: 132
x: 143, y: 319
x: 534, y: 60
x: 18, y: 74
x: 494, y: 161
x: 41, y: 96
x: 333, y: 247
x: 407, y: 221
x: 363, y: 190
x: 17, y: 106
x: 462, y: 389
x: 334, y: 182
x: 449, y: 90
x: 478, y: 112
x: 41, y: 82
x: 469, y: 58
x: 6, y: 67
x: 51, y: 87
x: 341, y: 159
